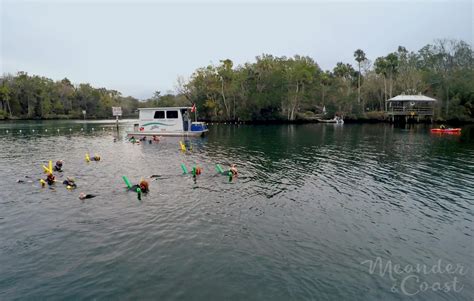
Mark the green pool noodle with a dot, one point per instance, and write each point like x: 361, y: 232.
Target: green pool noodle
x: 219, y: 168
x: 139, y: 194
x: 183, y: 167
x: 194, y: 171
x: 127, y: 182
x: 230, y: 176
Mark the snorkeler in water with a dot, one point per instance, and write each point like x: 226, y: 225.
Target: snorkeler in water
x: 58, y: 166
x: 50, y: 179
x: 95, y: 158
x: 143, y: 185
x: 84, y: 196
x: 233, y: 170
x: 70, y: 183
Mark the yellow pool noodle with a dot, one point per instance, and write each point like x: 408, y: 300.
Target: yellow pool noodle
x: 50, y: 166
x: 88, y: 159
x: 43, y: 182
x: 47, y: 170
x: 183, y: 147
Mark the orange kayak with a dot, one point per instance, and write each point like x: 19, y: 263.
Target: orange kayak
x: 450, y: 130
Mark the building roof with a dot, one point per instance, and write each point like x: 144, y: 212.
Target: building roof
x: 165, y: 108
x: 414, y: 98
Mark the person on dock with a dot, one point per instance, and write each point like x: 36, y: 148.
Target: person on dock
x: 58, y: 166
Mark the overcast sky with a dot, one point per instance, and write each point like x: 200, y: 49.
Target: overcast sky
x: 138, y: 47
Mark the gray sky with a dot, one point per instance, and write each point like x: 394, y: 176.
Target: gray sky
x: 138, y: 47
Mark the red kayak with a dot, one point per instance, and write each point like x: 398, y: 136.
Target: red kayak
x: 450, y: 130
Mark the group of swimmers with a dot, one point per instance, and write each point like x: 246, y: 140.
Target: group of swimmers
x: 154, y: 138
x: 141, y: 187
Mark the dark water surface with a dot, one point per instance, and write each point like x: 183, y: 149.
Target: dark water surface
x: 312, y: 206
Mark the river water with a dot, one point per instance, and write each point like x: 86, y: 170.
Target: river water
x: 314, y: 205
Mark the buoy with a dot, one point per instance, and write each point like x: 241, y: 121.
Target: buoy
x: 70, y: 129
x: 46, y: 130
x: 88, y: 159
x: 20, y: 131
x: 58, y: 130
x: 127, y: 182
x: 92, y: 128
x: 183, y: 167
x: 33, y: 131
x: 42, y: 182
x: 219, y: 168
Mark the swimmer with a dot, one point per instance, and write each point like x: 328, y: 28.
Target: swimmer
x: 58, y: 166
x: 95, y: 158
x: 50, y: 179
x: 70, y: 182
x: 233, y: 170
x: 143, y: 185
x: 84, y: 196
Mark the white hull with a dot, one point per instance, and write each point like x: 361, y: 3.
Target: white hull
x: 174, y: 134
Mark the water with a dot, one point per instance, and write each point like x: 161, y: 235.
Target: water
x: 310, y: 205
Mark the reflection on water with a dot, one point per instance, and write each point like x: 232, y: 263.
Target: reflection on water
x: 310, y: 204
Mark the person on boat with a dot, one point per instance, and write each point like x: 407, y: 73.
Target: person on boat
x: 84, y: 196
x: 69, y: 182
x: 58, y: 166
x: 143, y: 139
x: 50, y: 179
x: 442, y: 127
x: 132, y: 139
x: 155, y: 138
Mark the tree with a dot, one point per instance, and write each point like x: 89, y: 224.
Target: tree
x: 359, y: 57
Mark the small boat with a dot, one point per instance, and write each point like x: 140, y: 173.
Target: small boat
x: 337, y: 120
x: 447, y: 130
x: 167, y: 121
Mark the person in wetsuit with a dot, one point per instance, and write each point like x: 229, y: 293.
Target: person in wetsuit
x: 58, y: 166
x: 50, y: 179
x: 84, y: 196
x: 70, y: 182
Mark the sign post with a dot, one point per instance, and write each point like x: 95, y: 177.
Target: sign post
x: 117, y: 111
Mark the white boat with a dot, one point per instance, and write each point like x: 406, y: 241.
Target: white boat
x: 167, y: 121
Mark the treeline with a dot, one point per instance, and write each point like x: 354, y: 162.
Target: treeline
x: 275, y: 88
x: 272, y: 88
x: 24, y: 96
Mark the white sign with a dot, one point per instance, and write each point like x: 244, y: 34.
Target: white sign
x: 116, y: 111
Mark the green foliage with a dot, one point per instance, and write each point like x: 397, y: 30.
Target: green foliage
x: 25, y: 96
x: 271, y: 88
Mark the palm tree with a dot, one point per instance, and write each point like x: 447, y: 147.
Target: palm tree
x: 359, y: 55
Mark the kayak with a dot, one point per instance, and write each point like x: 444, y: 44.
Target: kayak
x: 450, y: 130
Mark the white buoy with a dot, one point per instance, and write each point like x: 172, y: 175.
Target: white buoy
x: 33, y: 131
x: 92, y: 128
x: 20, y: 131
x: 46, y: 130
x: 7, y: 131
x: 82, y: 129
x: 70, y: 129
x: 58, y: 130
